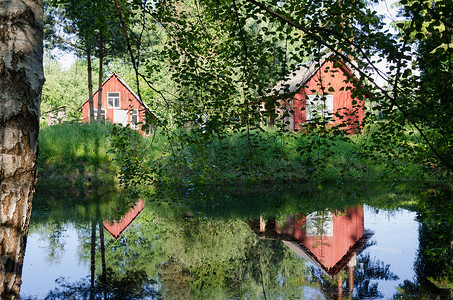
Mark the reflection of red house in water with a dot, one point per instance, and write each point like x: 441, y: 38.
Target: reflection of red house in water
x: 331, y: 239
x: 117, y: 228
x: 328, y: 240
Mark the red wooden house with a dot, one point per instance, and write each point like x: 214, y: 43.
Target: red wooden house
x: 120, y: 104
x: 321, y: 89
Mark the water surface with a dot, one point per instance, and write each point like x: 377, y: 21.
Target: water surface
x: 287, y: 247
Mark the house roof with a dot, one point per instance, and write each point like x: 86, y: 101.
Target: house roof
x: 292, y: 82
x: 128, y: 88
x: 299, y: 249
x: 117, y: 228
x: 302, y: 251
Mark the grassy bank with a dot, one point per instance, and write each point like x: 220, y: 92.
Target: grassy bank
x: 104, y: 154
x: 76, y: 155
x: 268, y: 157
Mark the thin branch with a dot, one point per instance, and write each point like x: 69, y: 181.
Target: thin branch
x: 245, y: 67
x: 137, y: 73
x: 346, y: 59
x: 202, y: 24
x: 129, y: 48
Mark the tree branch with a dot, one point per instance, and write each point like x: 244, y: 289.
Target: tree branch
x: 348, y: 60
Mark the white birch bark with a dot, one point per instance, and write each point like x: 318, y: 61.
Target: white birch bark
x: 21, y: 79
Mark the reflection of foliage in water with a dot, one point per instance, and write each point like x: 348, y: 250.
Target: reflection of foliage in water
x: 319, y: 225
x: 54, y: 209
x: 207, y: 251
x: 366, y: 270
x: 369, y: 269
x: 434, y: 263
x: 247, y: 202
x: 273, y: 268
x: 193, y: 256
x: 134, y: 285
x: 131, y: 264
x: 224, y: 259
x: 72, y: 205
x: 53, y: 235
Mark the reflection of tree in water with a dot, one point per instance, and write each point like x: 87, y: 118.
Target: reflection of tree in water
x: 434, y: 263
x: 133, y: 285
x: 211, y: 259
x: 175, y: 281
x: 118, y: 267
x: 319, y: 225
x: 369, y: 269
x: 119, y: 280
x: 195, y: 257
x: 366, y: 270
x: 53, y: 235
x: 273, y: 270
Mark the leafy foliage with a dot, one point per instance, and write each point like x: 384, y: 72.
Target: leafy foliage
x: 63, y: 87
x: 208, y: 66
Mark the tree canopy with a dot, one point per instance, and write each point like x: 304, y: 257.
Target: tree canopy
x: 209, y: 64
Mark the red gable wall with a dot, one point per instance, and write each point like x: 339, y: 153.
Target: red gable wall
x: 117, y: 228
x: 329, y: 250
x: 327, y: 76
x: 127, y: 101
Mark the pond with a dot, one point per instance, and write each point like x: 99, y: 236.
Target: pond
x: 230, y: 244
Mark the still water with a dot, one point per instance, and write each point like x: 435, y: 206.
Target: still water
x: 221, y: 249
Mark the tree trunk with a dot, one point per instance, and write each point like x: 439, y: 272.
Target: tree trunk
x: 104, y: 265
x: 21, y: 80
x: 90, y: 83
x: 101, y: 61
x: 93, y: 259
x: 340, y: 287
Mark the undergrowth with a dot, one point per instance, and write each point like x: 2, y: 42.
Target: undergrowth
x: 76, y: 154
x: 271, y: 157
x: 83, y: 154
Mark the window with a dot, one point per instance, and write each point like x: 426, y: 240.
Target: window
x: 319, y: 107
x: 319, y: 224
x: 134, y: 119
x: 113, y: 100
x: 102, y: 114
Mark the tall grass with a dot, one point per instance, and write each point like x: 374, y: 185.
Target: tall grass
x: 66, y: 144
x: 75, y: 152
x: 269, y: 156
x: 91, y: 152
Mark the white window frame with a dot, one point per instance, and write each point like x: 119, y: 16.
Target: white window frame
x: 114, y: 100
x: 323, y: 105
x: 134, y: 113
x: 319, y: 224
x: 102, y: 114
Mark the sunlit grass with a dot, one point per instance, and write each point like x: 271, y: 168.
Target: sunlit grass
x: 71, y: 153
x: 179, y: 157
x: 269, y: 156
x: 70, y: 143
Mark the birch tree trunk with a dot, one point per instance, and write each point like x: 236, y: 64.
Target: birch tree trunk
x: 21, y: 80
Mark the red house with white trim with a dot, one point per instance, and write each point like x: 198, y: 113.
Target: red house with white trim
x: 323, y: 90
x: 120, y: 105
